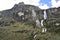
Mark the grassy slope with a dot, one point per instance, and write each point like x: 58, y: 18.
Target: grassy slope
x: 8, y: 33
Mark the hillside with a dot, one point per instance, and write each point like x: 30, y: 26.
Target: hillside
x: 26, y: 22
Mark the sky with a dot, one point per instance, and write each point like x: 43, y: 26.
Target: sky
x: 42, y: 4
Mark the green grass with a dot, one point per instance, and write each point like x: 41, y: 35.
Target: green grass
x: 8, y: 33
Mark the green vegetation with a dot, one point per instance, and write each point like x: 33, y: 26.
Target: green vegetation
x: 25, y: 31
x: 6, y: 21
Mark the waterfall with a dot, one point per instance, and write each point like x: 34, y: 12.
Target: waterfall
x: 35, y: 18
x: 45, y: 17
x: 44, y: 30
x: 38, y: 22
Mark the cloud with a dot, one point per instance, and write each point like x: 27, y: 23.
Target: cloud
x: 34, y: 2
x: 8, y: 4
x: 58, y: 3
x: 44, y: 6
x: 55, y: 4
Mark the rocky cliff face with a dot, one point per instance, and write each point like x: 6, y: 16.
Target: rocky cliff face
x: 53, y: 13
x: 19, y: 11
x: 53, y: 16
x: 23, y: 12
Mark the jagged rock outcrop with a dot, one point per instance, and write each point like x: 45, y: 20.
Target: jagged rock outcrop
x: 23, y: 12
x: 20, y: 11
x: 53, y: 16
x: 53, y: 13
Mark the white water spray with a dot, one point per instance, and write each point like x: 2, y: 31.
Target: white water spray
x: 45, y: 17
x: 44, y: 30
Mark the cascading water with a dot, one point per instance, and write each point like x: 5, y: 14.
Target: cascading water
x: 38, y: 22
x: 45, y: 17
x: 35, y: 18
